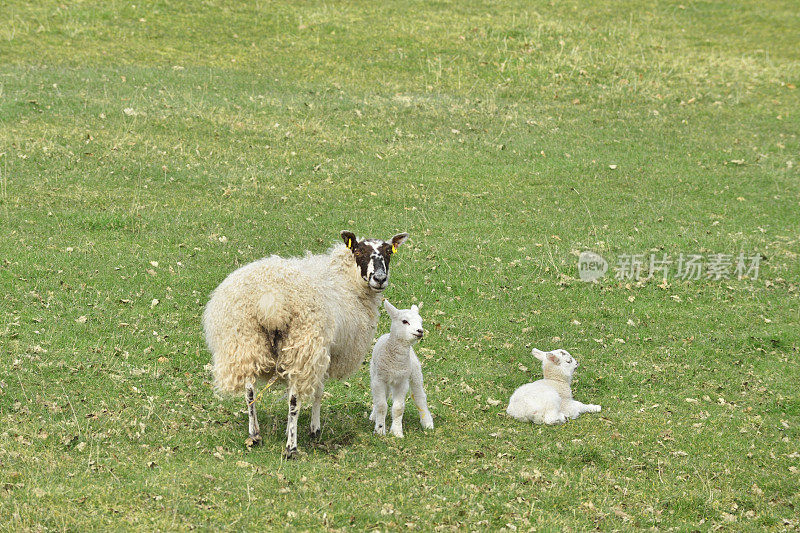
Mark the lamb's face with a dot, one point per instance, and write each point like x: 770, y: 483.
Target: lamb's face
x: 406, y: 323
x: 557, y: 363
x: 372, y: 257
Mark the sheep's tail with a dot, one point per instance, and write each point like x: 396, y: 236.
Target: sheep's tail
x: 273, y: 313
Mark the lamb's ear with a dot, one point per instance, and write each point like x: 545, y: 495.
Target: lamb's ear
x: 538, y: 354
x: 398, y: 239
x: 415, y: 308
x: 349, y: 239
x: 553, y: 358
x: 392, y: 310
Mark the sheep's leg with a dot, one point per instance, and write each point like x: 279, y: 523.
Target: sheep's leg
x: 291, y: 426
x: 399, y: 392
x: 554, y: 417
x: 379, y: 407
x: 554, y: 410
x: 574, y: 409
x: 250, y: 398
x: 591, y: 408
x: 315, y: 423
x: 420, y: 399
x: 305, y: 357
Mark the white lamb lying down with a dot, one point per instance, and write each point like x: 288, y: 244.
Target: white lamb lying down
x: 549, y: 400
x: 395, y: 367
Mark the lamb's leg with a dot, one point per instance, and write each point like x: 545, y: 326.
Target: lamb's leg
x: 574, y: 409
x: 291, y: 426
x: 588, y: 407
x: 379, y: 407
x: 554, y: 411
x: 592, y: 408
x: 553, y: 416
x: 315, y: 423
x: 399, y: 392
x: 420, y: 399
x: 250, y: 399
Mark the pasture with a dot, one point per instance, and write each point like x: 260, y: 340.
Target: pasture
x: 148, y: 150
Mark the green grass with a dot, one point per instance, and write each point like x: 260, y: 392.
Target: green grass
x: 486, y: 131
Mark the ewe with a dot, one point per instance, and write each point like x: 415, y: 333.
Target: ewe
x: 395, y: 367
x: 301, y: 320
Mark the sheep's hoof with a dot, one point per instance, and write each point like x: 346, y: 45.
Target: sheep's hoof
x: 253, y: 440
x: 315, y: 433
x: 290, y: 453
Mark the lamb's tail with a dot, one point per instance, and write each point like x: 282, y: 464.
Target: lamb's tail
x: 273, y: 313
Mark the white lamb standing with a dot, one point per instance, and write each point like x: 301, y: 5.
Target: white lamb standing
x: 395, y: 367
x: 301, y: 320
x: 549, y: 400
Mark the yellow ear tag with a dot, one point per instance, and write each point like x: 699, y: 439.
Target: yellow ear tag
x: 394, y: 249
x: 349, y: 243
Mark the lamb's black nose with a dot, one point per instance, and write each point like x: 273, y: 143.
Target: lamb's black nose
x: 379, y: 278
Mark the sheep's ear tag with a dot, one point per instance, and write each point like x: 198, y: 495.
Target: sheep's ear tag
x: 350, y: 243
x: 394, y: 248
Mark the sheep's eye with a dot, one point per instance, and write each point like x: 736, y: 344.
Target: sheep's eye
x: 405, y: 322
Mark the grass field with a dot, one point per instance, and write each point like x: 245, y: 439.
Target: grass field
x: 148, y: 150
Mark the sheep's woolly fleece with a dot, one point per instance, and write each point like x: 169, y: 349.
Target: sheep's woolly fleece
x: 300, y: 318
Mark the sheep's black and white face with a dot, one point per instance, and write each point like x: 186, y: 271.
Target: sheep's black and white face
x: 372, y: 257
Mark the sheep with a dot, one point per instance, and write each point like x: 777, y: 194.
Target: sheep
x: 549, y: 400
x: 394, y: 366
x: 300, y: 320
